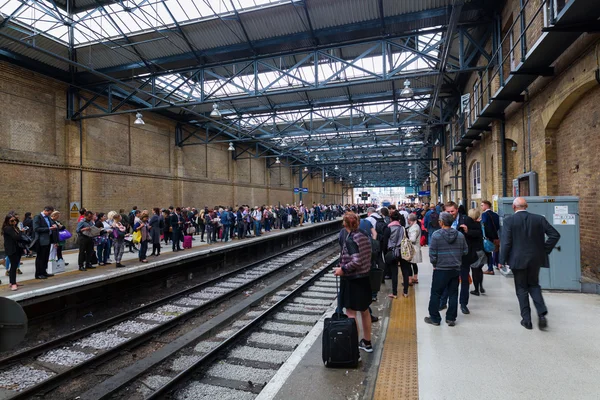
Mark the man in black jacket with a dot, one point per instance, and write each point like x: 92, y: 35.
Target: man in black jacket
x: 472, y: 233
x: 176, y: 221
x: 43, y: 226
x: 525, y: 249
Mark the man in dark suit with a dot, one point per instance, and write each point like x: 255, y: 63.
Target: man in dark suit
x: 473, y: 235
x: 176, y: 221
x: 491, y: 222
x: 43, y: 227
x: 525, y: 249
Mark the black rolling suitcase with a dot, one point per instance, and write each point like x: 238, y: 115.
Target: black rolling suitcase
x: 340, y: 341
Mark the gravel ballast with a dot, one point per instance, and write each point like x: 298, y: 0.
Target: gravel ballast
x: 101, y: 340
x: 262, y: 355
x: 21, y: 377
x: 65, y: 357
x: 201, y: 391
x: 273, y: 339
x: 241, y: 373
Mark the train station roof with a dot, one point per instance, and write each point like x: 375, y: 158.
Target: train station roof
x: 332, y: 85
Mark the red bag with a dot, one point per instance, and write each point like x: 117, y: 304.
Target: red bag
x: 423, y: 240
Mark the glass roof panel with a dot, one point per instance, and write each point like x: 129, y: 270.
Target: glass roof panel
x: 126, y: 17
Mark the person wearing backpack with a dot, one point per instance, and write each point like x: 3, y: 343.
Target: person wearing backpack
x: 432, y: 223
x: 414, y: 235
x: 393, y: 256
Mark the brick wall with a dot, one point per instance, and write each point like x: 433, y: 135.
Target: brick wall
x: 122, y: 164
x: 578, y: 166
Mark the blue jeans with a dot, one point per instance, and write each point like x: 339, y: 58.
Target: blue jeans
x: 267, y: 225
x: 226, y: 232
x: 102, y: 252
x: 257, y: 228
x: 143, y: 249
x: 444, y: 281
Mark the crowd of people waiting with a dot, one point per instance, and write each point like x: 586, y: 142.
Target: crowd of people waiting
x: 102, y: 235
x: 390, y: 239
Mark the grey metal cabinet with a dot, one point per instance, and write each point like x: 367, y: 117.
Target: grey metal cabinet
x: 562, y: 213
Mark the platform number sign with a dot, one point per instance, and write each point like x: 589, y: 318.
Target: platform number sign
x: 365, y: 196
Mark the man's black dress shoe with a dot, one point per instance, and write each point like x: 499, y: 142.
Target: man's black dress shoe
x: 465, y: 310
x: 526, y: 324
x: 48, y: 275
x: 41, y: 277
x: 543, y: 323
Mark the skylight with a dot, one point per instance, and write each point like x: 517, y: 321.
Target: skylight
x: 126, y: 17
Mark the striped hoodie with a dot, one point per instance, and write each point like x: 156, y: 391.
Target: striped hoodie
x: 447, y: 248
x: 356, y: 256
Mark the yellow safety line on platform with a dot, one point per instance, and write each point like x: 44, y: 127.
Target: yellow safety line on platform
x: 398, y: 376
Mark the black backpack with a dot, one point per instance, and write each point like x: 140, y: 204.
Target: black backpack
x: 380, y: 228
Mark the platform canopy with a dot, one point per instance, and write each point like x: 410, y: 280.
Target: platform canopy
x: 347, y: 88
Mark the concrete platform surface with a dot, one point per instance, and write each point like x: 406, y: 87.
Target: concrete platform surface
x: 488, y: 355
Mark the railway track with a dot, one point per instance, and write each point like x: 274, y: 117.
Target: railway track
x: 239, y: 360
x: 41, y: 368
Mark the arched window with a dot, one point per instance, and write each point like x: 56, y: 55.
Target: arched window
x: 476, y: 178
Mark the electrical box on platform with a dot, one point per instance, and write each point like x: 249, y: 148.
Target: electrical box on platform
x: 562, y: 213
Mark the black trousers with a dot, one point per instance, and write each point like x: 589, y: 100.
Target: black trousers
x: 86, y: 248
x: 15, y: 260
x: 527, y: 283
x: 41, y: 260
x: 177, y: 236
x: 406, y: 269
x: 477, y: 278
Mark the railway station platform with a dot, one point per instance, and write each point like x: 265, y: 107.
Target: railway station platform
x: 487, y: 355
x: 217, y: 254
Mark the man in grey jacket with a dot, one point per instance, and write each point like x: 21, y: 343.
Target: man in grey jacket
x: 446, y: 250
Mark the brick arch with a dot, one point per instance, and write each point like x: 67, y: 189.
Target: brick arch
x: 578, y: 168
x: 558, y: 112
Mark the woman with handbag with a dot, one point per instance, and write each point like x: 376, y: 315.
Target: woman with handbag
x: 142, y: 227
x: 60, y: 238
x: 477, y: 265
x: 414, y: 234
x: 119, y: 232
x: 392, y: 257
x: 14, y: 243
x: 102, y: 241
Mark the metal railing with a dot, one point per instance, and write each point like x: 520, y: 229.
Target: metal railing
x: 547, y: 11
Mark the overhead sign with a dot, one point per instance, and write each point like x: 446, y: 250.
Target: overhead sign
x: 74, y: 208
x: 305, y: 190
x: 425, y: 193
x: 298, y: 190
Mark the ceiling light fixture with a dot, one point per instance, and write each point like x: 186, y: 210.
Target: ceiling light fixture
x: 305, y: 169
x: 349, y: 173
x: 277, y: 160
x: 341, y: 179
x: 138, y: 119
x: 326, y: 175
x: 215, y: 113
x: 231, y: 148
x: 317, y: 157
x: 410, y: 164
x: 407, y: 91
x: 336, y: 167
x: 282, y: 144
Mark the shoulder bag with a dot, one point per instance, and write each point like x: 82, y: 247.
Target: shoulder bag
x: 488, y: 245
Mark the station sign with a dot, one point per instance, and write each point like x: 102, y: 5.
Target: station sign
x: 298, y: 190
x: 425, y: 193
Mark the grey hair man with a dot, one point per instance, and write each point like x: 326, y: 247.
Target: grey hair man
x: 525, y: 249
x: 446, y: 250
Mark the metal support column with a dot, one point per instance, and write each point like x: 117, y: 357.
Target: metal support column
x: 463, y: 175
x: 300, y: 178
x: 503, y: 155
x: 439, y: 178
